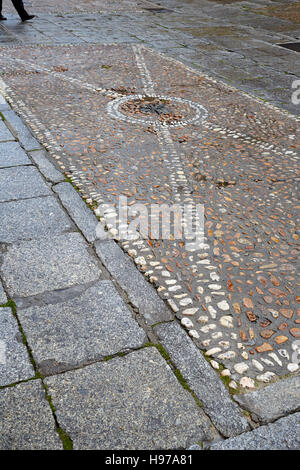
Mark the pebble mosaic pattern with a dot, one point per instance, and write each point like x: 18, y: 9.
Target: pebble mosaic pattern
x: 237, y: 293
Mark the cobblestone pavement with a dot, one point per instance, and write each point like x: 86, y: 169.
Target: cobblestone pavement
x: 124, y: 120
x: 235, y: 41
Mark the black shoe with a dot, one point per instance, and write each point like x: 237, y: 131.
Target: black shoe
x: 2, y: 18
x: 28, y: 17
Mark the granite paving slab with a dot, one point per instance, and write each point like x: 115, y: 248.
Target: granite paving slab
x: 31, y: 267
x: 5, y: 134
x: 142, y: 295
x: 46, y: 167
x: 284, y: 434
x: 3, y: 298
x: 31, y: 219
x: 21, y: 131
x: 12, y: 154
x: 20, y: 183
x: 273, y: 401
x: 78, y: 210
x: 128, y: 403
x: 93, y: 324
x: 27, y: 422
x: 14, y: 360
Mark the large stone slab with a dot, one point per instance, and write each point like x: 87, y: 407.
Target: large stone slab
x: 133, y: 402
x: 32, y: 218
x: 94, y: 324
x: 3, y: 298
x: 27, y: 422
x: 5, y: 134
x: 46, y: 167
x: 32, y: 267
x: 139, y: 292
x: 21, y: 131
x: 14, y: 360
x: 78, y: 210
x: 284, y: 434
x: 202, y: 379
x: 11, y: 154
x: 274, y: 401
x: 20, y: 183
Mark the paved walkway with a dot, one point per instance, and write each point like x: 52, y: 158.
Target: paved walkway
x: 110, y: 360
x: 234, y: 41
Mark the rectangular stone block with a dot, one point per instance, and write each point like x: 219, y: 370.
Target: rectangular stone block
x: 78, y: 210
x: 273, y: 401
x: 32, y: 267
x: 140, y: 293
x: 46, y: 167
x: 32, y: 218
x: 85, y: 326
x: 27, y: 422
x: 20, y: 183
x: 11, y: 154
x: 14, y: 360
x: 3, y: 298
x: 21, y: 131
x: 202, y: 379
x: 5, y: 134
x: 284, y: 434
x: 127, y: 403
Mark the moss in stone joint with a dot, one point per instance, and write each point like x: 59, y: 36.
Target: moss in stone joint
x: 10, y: 304
x: 65, y: 439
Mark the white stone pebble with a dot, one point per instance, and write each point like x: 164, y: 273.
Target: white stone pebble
x: 214, y: 286
x: 166, y: 274
x: 190, y: 311
x: 212, y: 351
x: 207, y: 328
x: 215, y: 364
x: 241, y: 367
x: 173, y: 305
x: 233, y: 385
x: 223, y: 305
x: 194, y: 334
x: 257, y: 365
x: 225, y: 373
x: 266, y: 377
x: 187, y: 323
x: 227, y: 355
x: 212, y: 311
x: 203, y: 319
x: 292, y: 367
x: 185, y: 302
x: 174, y: 288
x: 226, y: 321
x: 217, y: 335
x: 247, y: 382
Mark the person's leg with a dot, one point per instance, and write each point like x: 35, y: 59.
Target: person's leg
x: 1, y: 16
x: 19, y: 6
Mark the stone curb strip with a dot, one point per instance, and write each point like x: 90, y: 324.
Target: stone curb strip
x: 202, y: 379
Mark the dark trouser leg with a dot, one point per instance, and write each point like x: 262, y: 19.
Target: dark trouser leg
x: 19, y: 6
x: 0, y: 6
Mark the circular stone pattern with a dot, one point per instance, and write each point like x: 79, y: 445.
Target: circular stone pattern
x: 160, y: 111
